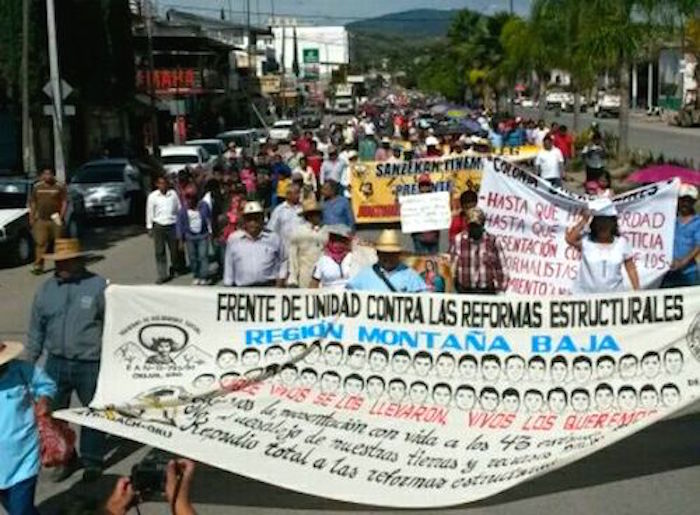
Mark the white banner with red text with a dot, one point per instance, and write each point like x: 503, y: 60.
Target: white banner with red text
x: 391, y: 400
x: 529, y: 217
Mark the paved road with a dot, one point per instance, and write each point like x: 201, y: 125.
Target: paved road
x: 655, y: 472
x: 645, y: 133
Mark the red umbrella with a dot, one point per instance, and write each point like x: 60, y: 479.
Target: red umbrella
x: 657, y: 173
x: 520, y: 88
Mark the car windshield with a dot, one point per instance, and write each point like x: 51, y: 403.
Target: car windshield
x: 13, y: 194
x: 176, y: 159
x: 99, y: 174
x: 213, y: 148
x: 282, y: 125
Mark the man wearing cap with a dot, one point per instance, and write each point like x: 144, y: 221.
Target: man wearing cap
x: 336, y: 208
x: 384, y: 152
x: 255, y: 256
x: 162, y: 208
x: 686, y: 241
x: 66, y: 321
x: 427, y: 242
x: 332, y: 168
x: 47, y: 208
x: 26, y: 393
x: 389, y: 274
x: 306, y: 245
x: 477, y: 259
x: 432, y: 147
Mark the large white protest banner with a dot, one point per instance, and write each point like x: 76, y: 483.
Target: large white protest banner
x: 391, y: 400
x: 425, y: 212
x: 530, y: 218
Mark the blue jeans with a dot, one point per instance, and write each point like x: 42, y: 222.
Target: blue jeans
x: 81, y: 377
x: 198, y: 254
x: 19, y: 498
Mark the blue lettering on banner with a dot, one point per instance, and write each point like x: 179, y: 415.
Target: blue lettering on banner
x: 293, y: 334
x: 546, y: 344
x: 473, y: 341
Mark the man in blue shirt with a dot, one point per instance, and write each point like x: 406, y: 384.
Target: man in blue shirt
x: 336, y: 208
x: 686, y: 242
x: 389, y: 274
x: 66, y: 323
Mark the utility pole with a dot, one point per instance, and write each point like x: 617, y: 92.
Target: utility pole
x: 155, y: 140
x: 27, y: 134
x: 512, y: 10
x: 57, y: 100
x: 251, y: 69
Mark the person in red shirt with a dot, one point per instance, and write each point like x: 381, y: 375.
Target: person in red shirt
x: 304, y: 143
x: 315, y: 159
x: 564, y: 141
x: 467, y: 200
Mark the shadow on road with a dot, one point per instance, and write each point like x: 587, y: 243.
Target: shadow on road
x: 104, y: 234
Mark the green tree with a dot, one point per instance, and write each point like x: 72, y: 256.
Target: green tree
x: 530, y: 45
x: 611, y: 34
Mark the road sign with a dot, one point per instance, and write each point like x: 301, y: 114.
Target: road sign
x: 68, y: 110
x: 310, y: 55
x: 66, y: 89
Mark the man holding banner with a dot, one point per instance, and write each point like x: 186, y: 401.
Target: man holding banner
x: 389, y: 274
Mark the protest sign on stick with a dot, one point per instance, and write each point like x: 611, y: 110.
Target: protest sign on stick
x: 425, y: 212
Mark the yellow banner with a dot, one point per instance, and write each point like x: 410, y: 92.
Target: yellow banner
x: 376, y: 186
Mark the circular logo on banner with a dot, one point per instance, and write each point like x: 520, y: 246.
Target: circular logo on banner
x: 693, y: 337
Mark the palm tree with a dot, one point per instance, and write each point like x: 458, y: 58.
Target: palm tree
x: 531, y: 45
x: 610, y: 31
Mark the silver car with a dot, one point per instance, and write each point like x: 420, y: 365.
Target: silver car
x: 110, y: 188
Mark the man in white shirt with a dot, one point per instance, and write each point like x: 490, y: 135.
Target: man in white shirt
x: 285, y: 217
x: 539, y: 133
x: 550, y: 163
x: 162, y: 207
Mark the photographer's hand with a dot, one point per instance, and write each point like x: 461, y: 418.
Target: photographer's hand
x: 178, y: 480
x: 122, y: 498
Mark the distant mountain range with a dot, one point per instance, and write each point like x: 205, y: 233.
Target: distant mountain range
x: 430, y: 23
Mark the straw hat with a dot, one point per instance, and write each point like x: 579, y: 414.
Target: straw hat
x: 66, y: 248
x: 341, y: 230
x: 9, y: 351
x: 252, y: 208
x: 310, y: 205
x: 389, y: 241
x: 476, y: 216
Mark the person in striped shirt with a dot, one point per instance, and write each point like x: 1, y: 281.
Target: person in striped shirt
x: 477, y: 258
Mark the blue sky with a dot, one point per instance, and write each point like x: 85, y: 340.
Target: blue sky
x: 333, y: 12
